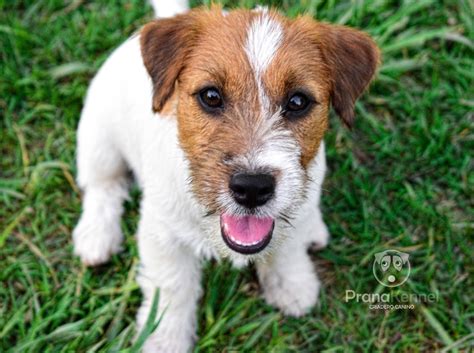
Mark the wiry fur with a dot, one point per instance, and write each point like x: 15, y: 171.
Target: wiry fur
x: 182, y: 158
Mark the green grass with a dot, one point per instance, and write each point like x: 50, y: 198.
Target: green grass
x: 403, y: 178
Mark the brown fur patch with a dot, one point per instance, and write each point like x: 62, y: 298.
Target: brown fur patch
x: 352, y: 57
x: 165, y: 45
x: 206, y: 48
x: 299, y: 66
x: 334, y: 63
x: 209, y: 142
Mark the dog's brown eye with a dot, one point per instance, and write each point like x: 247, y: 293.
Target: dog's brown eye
x: 297, y: 102
x: 297, y: 105
x: 210, y: 99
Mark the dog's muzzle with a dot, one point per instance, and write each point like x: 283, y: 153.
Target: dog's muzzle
x: 248, y: 234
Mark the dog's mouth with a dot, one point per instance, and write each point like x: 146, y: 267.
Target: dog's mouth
x: 246, y: 234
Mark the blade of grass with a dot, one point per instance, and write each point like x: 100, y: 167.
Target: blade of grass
x: 436, y: 325
x: 151, y: 324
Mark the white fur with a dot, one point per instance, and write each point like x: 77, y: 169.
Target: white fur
x: 167, y: 8
x: 118, y: 131
x: 263, y: 40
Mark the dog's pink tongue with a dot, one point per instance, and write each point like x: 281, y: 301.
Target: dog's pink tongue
x: 246, y: 229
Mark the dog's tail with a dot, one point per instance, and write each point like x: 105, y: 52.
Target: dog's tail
x: 169, y: 8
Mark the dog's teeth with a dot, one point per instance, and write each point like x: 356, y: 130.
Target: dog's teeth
x: 235, y: 240
x: 238, y: 242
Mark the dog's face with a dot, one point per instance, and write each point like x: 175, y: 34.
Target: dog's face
x: 251, y: 91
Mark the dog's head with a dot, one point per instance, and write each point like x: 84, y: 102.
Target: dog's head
x: 251, y: 91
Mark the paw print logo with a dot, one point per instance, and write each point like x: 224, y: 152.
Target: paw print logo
x: 391, y: 268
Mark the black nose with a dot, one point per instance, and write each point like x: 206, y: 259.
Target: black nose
x: 252, y: 190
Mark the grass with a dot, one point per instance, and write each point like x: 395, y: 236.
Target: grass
x: 403, y: 178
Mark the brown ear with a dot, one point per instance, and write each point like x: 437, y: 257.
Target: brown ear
x: 352, y: 57
x: 165, y: 45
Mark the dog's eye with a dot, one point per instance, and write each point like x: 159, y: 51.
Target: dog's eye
x: 210, y: 99
x: 297, y: 105
x: 297, y: 102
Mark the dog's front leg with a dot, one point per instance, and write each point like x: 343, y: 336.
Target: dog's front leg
x: 288, y: 278
x: 175, y: 270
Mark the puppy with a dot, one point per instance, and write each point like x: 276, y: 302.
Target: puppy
x: 220, y: 116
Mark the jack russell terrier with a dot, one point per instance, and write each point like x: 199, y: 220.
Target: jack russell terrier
x: 220, y: 116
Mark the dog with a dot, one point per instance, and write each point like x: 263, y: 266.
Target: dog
x: 220, y: 115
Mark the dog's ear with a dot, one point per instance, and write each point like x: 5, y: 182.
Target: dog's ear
x: 404, y: 257
x: 352, y: 57
x: 165, y: 45
x: 378, y: 256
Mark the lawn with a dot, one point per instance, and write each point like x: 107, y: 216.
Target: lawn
x: 401, y: 179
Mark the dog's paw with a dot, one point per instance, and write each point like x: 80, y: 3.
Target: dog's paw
x: 294, y: 295
x: 169, y: 340
x: 167, y: 345
x: 95, y: 241
x: 175, y: 332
